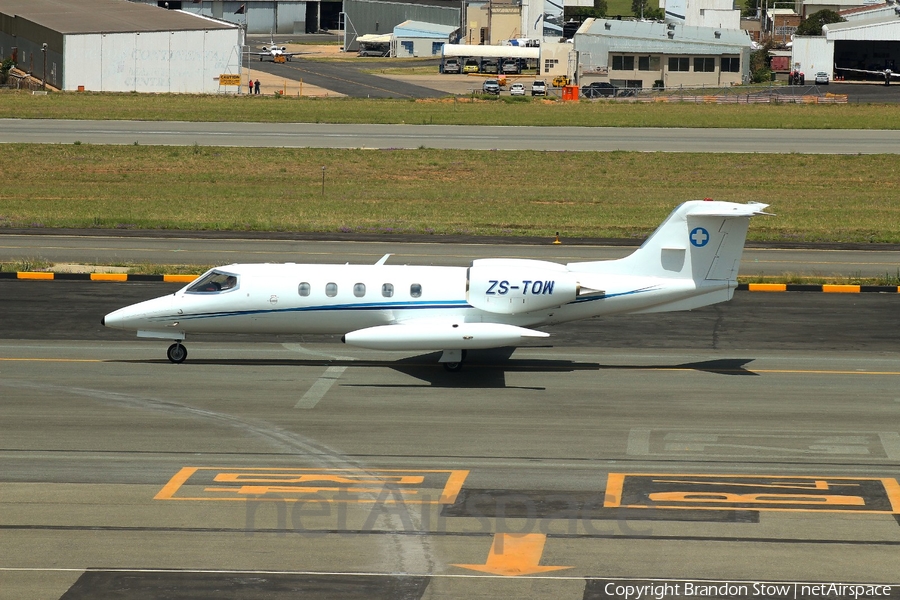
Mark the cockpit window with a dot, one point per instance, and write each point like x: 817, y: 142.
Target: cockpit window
x: 213, y: 282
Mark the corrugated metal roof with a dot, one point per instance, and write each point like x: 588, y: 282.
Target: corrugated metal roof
x: 653, y: 36
x: 879, y: 29
x: 423, y: 30
x: 105, y: 16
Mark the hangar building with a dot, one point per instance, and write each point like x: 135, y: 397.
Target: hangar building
x: 869, y: 39
x: 264, y: 16
x: 377, y: 17
x: 115, y: 46
x: 644, y: 54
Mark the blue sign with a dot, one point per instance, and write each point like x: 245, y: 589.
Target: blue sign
x: 699, y: 237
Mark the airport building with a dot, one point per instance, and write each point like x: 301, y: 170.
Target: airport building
x: 263, y: 17
x: 115, y: 46
x: 644, y: 54
x: 869, y: 39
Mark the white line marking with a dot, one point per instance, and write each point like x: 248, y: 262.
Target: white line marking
x: 320, y: 387
x: 638, y: 442
x: 890, y: 440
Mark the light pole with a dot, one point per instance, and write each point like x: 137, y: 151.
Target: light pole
x: 44, y: 74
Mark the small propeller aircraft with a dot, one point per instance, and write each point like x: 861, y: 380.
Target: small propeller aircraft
x: 275, y: 52
x: 690, y: 261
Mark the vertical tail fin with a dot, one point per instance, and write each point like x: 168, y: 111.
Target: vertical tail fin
x: 700, y: 240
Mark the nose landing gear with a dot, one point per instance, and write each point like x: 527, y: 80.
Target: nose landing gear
x: 177, y: 353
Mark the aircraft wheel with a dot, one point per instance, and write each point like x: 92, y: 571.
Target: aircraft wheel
x: 177, y: 353
x: 453, y: 367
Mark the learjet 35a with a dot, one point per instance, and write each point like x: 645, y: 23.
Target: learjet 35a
x: 690, y: 261
x: 274, y: 51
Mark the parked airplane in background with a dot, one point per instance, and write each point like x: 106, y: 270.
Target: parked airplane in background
x: 887, y: 74
x: 274, y: 51
x: 690, y: 261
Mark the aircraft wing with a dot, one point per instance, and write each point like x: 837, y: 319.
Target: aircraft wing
x: 869, y: 72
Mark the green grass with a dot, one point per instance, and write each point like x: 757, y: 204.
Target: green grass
x: 446, y: 111
x: 838, y: 198
x: 618, y: 7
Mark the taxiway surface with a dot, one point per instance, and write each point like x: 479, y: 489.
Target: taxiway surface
x: 325, y: 135
x: 751, y: 441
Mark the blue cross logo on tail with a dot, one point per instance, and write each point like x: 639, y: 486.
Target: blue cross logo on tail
x: 699, y: 237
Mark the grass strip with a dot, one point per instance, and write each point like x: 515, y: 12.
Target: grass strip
x: 818, y: 198
x: 444, y: 111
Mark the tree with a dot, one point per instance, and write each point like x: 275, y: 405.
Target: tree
x: 641, y: 7
x: 751, y: 8
x: 760, y: 69
x: 5, y: 66
x: 580, y: 13
x: 812, y: 25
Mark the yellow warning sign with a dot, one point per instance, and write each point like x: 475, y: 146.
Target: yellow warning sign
x: 752, y: 492
x: 315, y: 485
x: 229, y: 79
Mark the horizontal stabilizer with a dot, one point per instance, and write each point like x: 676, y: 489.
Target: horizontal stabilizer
x: 440, y: 336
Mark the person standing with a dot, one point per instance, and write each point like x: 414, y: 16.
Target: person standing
x: 256, y: 86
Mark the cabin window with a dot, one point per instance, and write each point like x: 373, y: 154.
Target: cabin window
x: 415, y: 290
x: 331, y: 290
x: 387, y: 290
x: 359, y: 290
x: 303, y: 289
x: 213, y: 282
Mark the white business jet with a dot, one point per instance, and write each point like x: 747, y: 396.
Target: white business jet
x: 274, y: 51
x: 690, y: 261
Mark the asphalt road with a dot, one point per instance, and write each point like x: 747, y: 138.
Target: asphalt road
x: 299, y: 467
x: 318, y: 135
x: 347, y: 79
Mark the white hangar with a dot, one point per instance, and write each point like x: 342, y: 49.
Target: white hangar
x: 868, y: 40
x: 117, y: 46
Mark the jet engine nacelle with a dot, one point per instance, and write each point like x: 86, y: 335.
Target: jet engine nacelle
x: 514, y: 286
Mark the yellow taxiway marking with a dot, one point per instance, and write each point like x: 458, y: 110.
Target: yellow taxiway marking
x: 308, y: 484
x: 63, y: 360
x: 690, y: 497
x: 613, y: 367
x: 751, y: 370
x: 514, y: 554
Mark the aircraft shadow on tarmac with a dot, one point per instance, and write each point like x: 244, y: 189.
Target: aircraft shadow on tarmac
x: 483, y: 369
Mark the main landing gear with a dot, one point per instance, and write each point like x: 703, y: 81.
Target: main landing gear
x: 452, y: 360
x: 177, y: 353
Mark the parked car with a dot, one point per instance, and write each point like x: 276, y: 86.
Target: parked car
x: 598, y: 89
x: 511, y: 66
x: 491, y: 86
x: 451, y: 65
x: 489, y: 66
x: 821, y: 78
x: 517, y: 89
x: 539, y: 88
x: 471, y: 66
